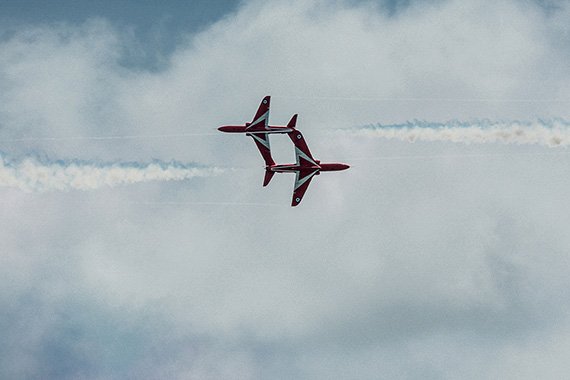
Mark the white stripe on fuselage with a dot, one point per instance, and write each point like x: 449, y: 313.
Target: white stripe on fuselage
x: 272, y: 130
x: 292, y: 168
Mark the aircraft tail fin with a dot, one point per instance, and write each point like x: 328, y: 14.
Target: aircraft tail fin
x: 292, y: 122
x: 268, y: 175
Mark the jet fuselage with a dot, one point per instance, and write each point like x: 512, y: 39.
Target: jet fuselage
x: 247, y: 129
x: 326, y: 167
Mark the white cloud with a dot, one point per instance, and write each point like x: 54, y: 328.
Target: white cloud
x: 384, y: 268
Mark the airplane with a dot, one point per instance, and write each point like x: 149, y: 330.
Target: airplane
x: 305, y: 168
x: 259, y: 129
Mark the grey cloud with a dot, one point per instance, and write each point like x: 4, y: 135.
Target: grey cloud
x: 446, y: 250
x: 72, y: 336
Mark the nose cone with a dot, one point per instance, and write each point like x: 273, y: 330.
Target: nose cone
x: 233, y: 128
x: 333, y: 167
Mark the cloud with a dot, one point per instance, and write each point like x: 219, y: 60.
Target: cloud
x: 386, y: 267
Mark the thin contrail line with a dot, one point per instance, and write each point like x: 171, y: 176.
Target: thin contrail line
x: 106, y: 137
x: 454, y: 156
x: 390, y: 99
x: 159, y: 203
x: 179, y: 203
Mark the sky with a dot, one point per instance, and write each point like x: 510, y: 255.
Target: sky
x: 139, y: 243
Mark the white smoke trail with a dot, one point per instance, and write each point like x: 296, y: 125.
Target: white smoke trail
x: 451, y: 100
x: 550, y: 133
x: 122, y: 137
x: 32, y: 176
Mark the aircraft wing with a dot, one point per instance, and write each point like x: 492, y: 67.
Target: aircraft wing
x: 302, y: 180
x: 262, y: 142
x: 261, y: 118
x: 302, y: 152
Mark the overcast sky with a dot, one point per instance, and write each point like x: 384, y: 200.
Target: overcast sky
x: 137, y: 241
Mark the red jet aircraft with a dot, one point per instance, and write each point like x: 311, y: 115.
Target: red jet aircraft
x: 259, y: 129
x: 306, y: 166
